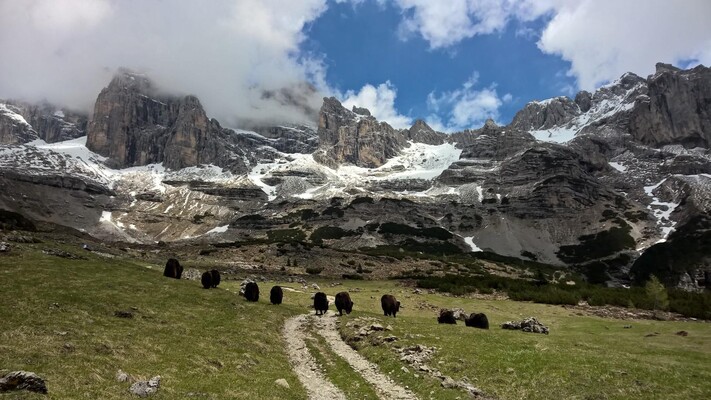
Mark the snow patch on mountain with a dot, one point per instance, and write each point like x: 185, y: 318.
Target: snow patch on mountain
x: 618, y: 166
x: 418, y: 161
x: 218, y: 229
x: 14, y: 116
x: 661, y: 210
x: 470, y: 241
x: 607, y: 107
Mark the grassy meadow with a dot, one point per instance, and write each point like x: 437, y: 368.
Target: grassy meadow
x: 57, y: 319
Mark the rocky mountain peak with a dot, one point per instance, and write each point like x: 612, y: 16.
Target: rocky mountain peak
x: 346, y: 137
x: 125, y: 79
x: 662, y: 67
x: 361, y: 111
x: 420, y: 132
x: 546, y: 114
x: 674, y: 109
x: 133, y: 125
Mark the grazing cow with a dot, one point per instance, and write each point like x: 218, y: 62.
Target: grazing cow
x: 251, y: 292
x: 173, y: 269
x: 320, y: 303
x: 446, y: 317
x: 276, y: 295
x: 477, y: 321
x: 390, y: 305
x: 344, y: 303
x: 215, y: 277
x: 206, y: 280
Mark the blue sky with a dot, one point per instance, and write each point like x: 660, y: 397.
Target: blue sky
x: 360, y: 45
x: 453, y: 63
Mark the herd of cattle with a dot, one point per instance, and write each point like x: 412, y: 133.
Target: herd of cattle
x: 343, y: 302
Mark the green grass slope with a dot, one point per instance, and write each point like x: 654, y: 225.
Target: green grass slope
x: 57, y: 319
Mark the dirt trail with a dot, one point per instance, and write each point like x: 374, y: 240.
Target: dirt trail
x: 307, y: 369
x: 294, y: 333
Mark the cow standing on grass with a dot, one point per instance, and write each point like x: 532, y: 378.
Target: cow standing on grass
x: 344, y: 303
x: 251, y: 291
x: 173, y: 269
x: 276, y: 295
x: 320, y: 303
x: 390, y: 305
x: 446, y: 317
x: 206, y: 280
x: 215, y: 274
x: 477, y: 321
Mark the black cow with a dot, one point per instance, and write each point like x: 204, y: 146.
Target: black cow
x: 446, y: 317
x: 251, y: 292
x: 206, y: 280
x: 390, y: 305
x: 477, y: 321
x: 344, y: 303
x: 215, y: 277
x: 276, y: 295
x: 173, y: 269
x: 320, y: 303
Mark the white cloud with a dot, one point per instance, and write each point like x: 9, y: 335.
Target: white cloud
x: 603, y: 39
x: 380, y: 101
x: 445, y: 23
x: 226, y: 52
x: 466, y: 107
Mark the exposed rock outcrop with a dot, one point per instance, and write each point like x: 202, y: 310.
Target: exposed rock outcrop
x: 53, y: 124
x: 14, y: 129
x: 134, y: 125
x: 546, y: 114
x: 349, y: 138
x: 676, y: 109
x: 420, y: 132
x: 22, y: 380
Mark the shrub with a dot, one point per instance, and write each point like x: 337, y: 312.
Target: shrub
x: 329, y: 232
x: 314, y: 270
x: 286, y: 235
x: 657, y: 293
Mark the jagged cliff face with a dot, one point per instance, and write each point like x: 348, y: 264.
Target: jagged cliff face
x: 133, y: 125
x: 676, y: 108
x: 14, y: 129
x: 569, y: 181
x: 358, y: 139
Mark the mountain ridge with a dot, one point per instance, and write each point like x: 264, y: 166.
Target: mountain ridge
x: 566, y: 178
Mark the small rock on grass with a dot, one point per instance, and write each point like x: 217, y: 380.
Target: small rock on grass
x: 145, y: 388
x: 282, y: 382
x: 22, y: 380
x: 122, y: 376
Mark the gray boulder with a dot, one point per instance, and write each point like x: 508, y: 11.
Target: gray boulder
x: 145, y: 388
x: 22, y: 380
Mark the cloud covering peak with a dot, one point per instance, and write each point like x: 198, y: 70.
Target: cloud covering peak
x: 228, y: 53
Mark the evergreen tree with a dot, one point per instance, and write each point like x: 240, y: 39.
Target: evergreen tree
x: 657, y: 293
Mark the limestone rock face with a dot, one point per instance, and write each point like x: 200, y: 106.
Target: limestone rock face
x: 290, y: 138
x: 134, y: 125
x: 584, y: 100
x: 676, y: 109
x: 420, y: 132
x: 53, y: 124
x: 14, y: 129
x: 497, y: 143
x: 349, y: 138
x: 546, y: 114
